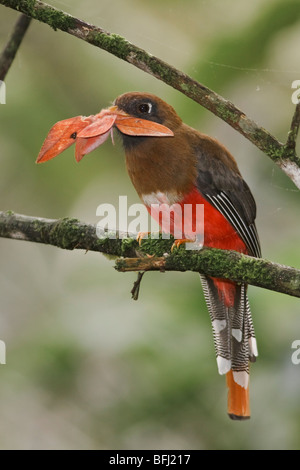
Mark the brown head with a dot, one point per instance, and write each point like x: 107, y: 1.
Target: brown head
x: 157, y: 164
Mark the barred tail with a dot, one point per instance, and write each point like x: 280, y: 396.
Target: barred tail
x: 234, y: 339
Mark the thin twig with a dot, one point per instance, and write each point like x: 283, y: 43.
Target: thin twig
x: 136, y: 286
x: 294, y: 129
x: 9, y: 52
x: 290, y: 165
x: 72, y: 234
x: 283, y: 156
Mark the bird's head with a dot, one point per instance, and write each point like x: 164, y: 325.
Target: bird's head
x: 148, y: 108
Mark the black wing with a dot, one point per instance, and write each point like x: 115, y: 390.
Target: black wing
x: 222, y: 185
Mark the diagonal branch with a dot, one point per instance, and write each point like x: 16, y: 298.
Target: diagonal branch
x: 291, y: 167
x: 72, y: 234
x: 294, y: 130
x: 9, y: 52
x: 283, y: 155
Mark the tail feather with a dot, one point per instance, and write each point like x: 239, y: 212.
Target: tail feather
x: 234, y: 339
x: 238, y: 407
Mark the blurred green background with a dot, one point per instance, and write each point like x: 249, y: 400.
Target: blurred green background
x: 87, y: 367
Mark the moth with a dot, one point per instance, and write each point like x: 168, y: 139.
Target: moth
x: 89, y: 132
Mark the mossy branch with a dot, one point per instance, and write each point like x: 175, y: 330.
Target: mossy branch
x: 283, y: 154
x: 153, y: 254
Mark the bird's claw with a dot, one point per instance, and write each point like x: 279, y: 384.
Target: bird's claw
x: 179, y: 242
x: 140, y: 236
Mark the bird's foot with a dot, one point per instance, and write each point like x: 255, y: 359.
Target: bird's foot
x: 140, y: 236
x: 181, y: 241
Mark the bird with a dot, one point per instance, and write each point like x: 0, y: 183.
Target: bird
x: 170, y: 163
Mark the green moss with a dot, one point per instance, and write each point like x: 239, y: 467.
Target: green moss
x: 25, y: 6
x: 113, y: 43
x: 105, y: 245
x: 190, y: 87
x: 128, y: 245
x: 113, y: 247
x: 9, y: 213
x: 65, y: 233
x: 225, y: 113
x: 185, y: 87
x: 249, y: 268
x: 289, y: 154
x: 159, y: 69
x: 221, y: 264
x: 156, y: 246
x: 55, y: 19
x: 45, y: 13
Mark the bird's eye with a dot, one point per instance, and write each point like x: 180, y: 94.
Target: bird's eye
x: 145, y: 108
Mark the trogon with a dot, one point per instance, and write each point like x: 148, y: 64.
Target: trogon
x: 173, y: 165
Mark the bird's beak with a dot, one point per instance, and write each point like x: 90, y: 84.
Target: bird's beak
x: 90, y: 132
